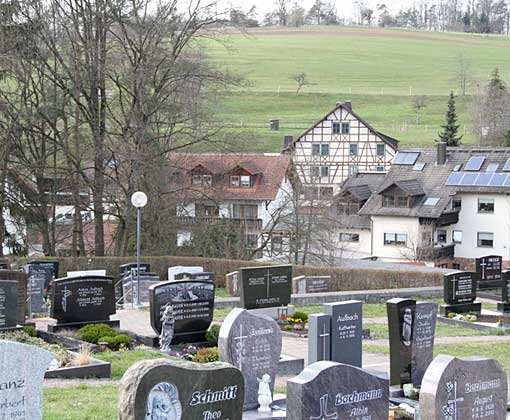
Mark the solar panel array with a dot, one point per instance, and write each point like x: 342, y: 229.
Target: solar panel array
x: 507, y: 165
x: 405, y: 158
x: 475, y: 163
x: 479, y: 179
x: 418, y: 166
x: 492, y: 167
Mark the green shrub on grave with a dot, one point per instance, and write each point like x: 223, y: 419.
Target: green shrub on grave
x: 93, y: 332
x: 117, y: 342
x: 206, y: 355
x: 30, y: 330
x: 212, y: 335
x: 300, y: 315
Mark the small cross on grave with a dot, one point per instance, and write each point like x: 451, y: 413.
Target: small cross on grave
x: 483, y: 265
x: 451, y: 405
x: 66, y: 293
x: 268, y: 280
x: 454, y: 280
x: 324, y: 335
x: 240, y: 346
x: 324, y: 407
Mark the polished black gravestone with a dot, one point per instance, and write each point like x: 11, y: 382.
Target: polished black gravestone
x: 459, y: 289
x: 489, y: 271
x: 265, y: 287
x: 328, y: 390
x: 346, y: 331
x: 179, y: 390
x: 464, y: 388
x: 8, y: 304
x: 253, y: 344
x: 192, y: 304
x: 51, y: 269
x: 504, y: 305
x: 319, y: 337
x: 424, y: 331
x: 203, y: 276
x: 78, y: 301
x: 131, y: 281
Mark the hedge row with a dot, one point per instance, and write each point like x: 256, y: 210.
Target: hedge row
x: 343, y: 278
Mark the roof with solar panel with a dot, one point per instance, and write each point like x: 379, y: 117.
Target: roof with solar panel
x: 466, y: 169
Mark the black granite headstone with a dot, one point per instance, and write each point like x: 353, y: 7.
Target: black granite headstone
x: 126, y: 269
x: 334, y: 391
x: 319, y: 337
x: 51, y: 269
x: 203, y: 276
x: 86, y: 299
x: 464, y: 388
x: 460, y: 290
x: 179, y: 390
x: 346, y: 331
x: 8, y: 304
x: 489, y: 271
x: 400, y: 325
x: 504, y: 305
x: 424, y: 329
x: 192, y: 303
x: 265, y: 287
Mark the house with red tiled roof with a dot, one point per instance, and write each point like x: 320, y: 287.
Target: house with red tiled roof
x: 251, y: 190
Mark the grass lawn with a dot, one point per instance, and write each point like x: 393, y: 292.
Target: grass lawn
x: 380, y: 70
x: 81, y: 402
x: 122, y: 360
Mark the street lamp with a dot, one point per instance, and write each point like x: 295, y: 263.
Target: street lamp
x: 139, y: 200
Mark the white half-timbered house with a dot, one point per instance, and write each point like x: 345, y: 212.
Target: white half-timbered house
x: 337, y: 146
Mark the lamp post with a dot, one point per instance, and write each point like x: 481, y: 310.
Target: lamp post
x: 139, y: 200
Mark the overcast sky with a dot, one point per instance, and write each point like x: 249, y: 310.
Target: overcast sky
x: 344, y: 7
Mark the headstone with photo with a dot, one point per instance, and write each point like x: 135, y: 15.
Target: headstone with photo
x: 460, y: 288
x: 464, y: 388
x: 178, y: 269
x: 23, y: 368
x: 346, y: 331
x: 504, y: 305
x: 232, y: 283
x: 311, y: 284
x: 265, y: 287
x: 253, y: 344
x: 329, y: 390
x: 130, y: 281
x: 319, y: 337
x: 411, y: 328
x: 489, y: 271
x: 8, y: 304
x: 181, y: 390
x: 182, y: 308
x: 78, y: 301
x: 84, y: 273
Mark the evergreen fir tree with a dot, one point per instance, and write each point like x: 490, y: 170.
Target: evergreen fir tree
x: 449, y: 135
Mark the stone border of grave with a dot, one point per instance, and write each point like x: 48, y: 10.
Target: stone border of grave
x: 70, y: 343
x: 97, y: 369
x: 473, y: 325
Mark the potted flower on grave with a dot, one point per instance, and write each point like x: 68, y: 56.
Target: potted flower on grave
x: 298, y: 321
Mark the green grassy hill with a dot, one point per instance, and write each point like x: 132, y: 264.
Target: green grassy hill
x: 379, y: 70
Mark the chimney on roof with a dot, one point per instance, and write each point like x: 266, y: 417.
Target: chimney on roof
x: 345, y: 104
x: 441, y: 153
x: 287, y: 141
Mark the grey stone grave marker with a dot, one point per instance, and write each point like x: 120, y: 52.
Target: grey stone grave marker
x: 173, y: 271
x: 21, y: 382
x: 319, y: 337
x: 253, y: 344
x: 165, y: 389
x: 464, y: 388
x: 146, y: 281
x: 346, y: 331
x: 311, y: 284
x: 232, y: 283
x: 333, y: 391
x: 8, y: 304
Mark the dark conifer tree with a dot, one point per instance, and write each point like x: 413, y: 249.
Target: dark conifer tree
x: 449, y: 135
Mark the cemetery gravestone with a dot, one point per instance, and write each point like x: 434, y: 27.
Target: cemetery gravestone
x: 21, y: 280
x: 504, y: 305
x: 146, y: 281
x: 489, y: 271
x: 173, y: 271
x: 21, y: 385
x: 83, y: 273
x: 346, y: 331
x: 126, y: 270
x: 253, y: 344
x: 318, y: 394
x: 190, y: 304
x: 39, y: 278
x: 464, y: 388
x: 78, y: 301
x: 311, y: 284
x: 8, y: 304
x: 424, y: 327
x: 232, y: 283
x: 319, y: 337
x: 180, y: 390
x: 459, y: 290
x: 199, y: 276
x: 265, y: 287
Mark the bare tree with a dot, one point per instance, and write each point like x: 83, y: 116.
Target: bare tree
x: 419, y: 102
x: 302, y: 80
x: 282, y: 11
x: 462, y: 73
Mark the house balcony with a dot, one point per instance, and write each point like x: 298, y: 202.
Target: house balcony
x: 437, y: 252
x: 448, y: 218
x: 253, y: 224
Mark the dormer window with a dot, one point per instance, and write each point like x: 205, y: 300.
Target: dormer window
x: 207, y: 180
x: 234, y: 180
x: 245, y: 181
x: 201, y: 180
x: 395, y: 201
x: 197, y: 180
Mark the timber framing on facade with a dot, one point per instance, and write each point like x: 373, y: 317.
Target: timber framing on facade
x: 337, y: 146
